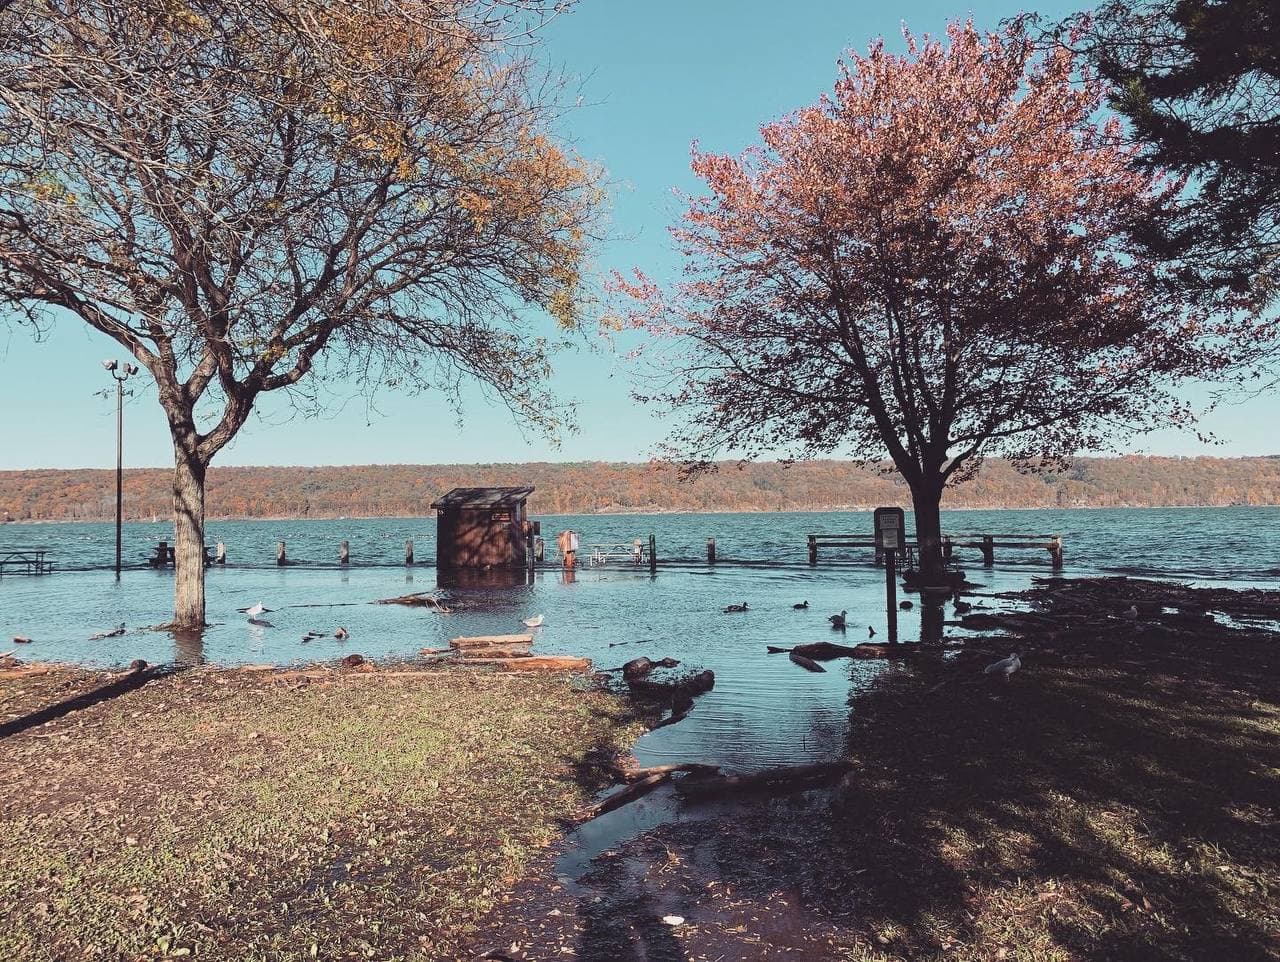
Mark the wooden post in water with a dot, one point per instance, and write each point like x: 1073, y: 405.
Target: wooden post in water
x: 1055, y: 552
x: 946, y: 547
x: 891, y: 594
x: 813, y: 550
x: 711, y: 551
x: 653, y: 554
x: 408, y: 551
x: 281, y: 558
x: 220, y: 554
x: 988, y: 550
x: 344, y: 553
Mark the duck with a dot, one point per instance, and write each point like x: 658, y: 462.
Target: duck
x: 962, y: 607
x: 342, y: 634
x: 801, y: 606
x: 732, y: 608
x: 905, y: 605
x: 837, y: 621
x: 534, y: 622
x: 1005, y: 666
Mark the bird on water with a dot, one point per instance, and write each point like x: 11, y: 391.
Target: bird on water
x: 801, y: 606
x: 732, y: 608
x: 837, y: 621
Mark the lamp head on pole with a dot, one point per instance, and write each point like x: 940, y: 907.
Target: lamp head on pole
x: 111, y: 364
x: 130, y: 369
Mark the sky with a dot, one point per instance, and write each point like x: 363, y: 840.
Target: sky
x: 652, y: 77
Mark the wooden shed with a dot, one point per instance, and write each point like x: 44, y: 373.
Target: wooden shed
x: 481, y: 528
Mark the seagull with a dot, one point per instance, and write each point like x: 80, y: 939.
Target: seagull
x: 1131, y: 614
x: 732, y: 608
x: 342, y: 634
x: 837, y: 621
x: 1005, y: 666
x: 256, y: 610
x: 800, y: 607
x: 534, y: 622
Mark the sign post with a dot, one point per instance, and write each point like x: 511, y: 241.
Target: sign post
x: 891, y: 541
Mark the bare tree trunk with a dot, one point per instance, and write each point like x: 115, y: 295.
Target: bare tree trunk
x: 188, y: 552
x: 926, y: 500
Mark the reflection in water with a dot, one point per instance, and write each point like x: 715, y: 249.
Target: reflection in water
x: 505, y: 577
x: 188, y: 647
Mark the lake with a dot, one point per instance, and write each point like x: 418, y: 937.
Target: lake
x: 763, y: 707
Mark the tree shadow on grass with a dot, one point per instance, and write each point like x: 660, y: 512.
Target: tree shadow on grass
x: 1089, y: 814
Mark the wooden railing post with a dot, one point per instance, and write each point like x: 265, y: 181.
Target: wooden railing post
x: 1055, y: 552
x: 220, y: 554
x: 281, y: 558
x: 946, y: 547
x: 408, y: 551
x: 344, y: 553
x: 988, y: 550
x: 653, y: 554
x: 711, y: 551
x: 813, y: 550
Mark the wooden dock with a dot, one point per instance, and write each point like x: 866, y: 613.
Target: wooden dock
x: 986, y: 543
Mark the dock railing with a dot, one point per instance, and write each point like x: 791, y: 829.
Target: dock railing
x: 986, y: 543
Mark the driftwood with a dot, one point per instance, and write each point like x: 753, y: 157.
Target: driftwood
x: 535, y: 663
x: 630, y: 793
x: 487, y: 641
x: 791, y: 778
x: 808, y: 664
x: 420, y: 599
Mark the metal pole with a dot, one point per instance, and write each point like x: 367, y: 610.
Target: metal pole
x: 119, y: 468
x: 891, y: 594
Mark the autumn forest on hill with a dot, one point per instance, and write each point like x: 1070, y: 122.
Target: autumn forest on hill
x: 601, y: 487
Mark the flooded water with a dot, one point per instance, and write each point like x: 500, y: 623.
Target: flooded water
x: 763, y: 708
x: 763, y: 711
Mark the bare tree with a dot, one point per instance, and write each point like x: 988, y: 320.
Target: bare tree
x: 241, y: 193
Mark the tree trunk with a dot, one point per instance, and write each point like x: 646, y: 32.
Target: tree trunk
x: 926, y: 500
x: 188, y: 550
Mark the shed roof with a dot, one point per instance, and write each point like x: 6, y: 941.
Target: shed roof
x: 482, y: 497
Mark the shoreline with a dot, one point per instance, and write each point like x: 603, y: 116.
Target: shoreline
x: 658, y: 512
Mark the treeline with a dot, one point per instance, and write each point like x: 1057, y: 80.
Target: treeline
x: 602, y: 487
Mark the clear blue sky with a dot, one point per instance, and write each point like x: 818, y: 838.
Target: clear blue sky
x: 653, y: 76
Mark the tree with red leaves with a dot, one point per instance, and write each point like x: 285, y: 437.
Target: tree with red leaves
x: 934, y: 261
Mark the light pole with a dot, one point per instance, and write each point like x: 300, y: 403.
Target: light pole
x: 128, y: 370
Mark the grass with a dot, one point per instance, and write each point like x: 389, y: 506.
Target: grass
x: 216, y: 815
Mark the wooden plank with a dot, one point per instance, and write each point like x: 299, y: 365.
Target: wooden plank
x: 482, y: 641
x: 535, y: 663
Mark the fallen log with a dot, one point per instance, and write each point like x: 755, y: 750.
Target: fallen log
x: 808, y: 664
x: 494, y: 651
x: 635, y: 774
x: 486, y: 641
x: 825, y: 651
x: 630, y: 793
x: 790, y: 778
x: 535, y: 663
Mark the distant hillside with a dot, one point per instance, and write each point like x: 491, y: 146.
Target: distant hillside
x: 592, y: 488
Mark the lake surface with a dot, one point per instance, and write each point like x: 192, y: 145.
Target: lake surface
x: 763, y: 709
